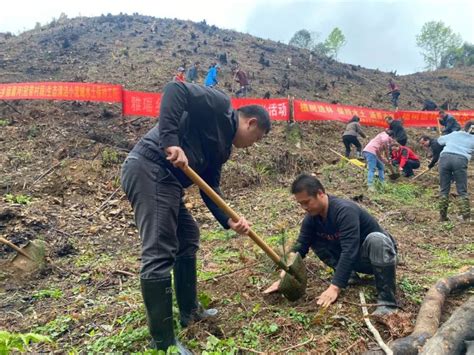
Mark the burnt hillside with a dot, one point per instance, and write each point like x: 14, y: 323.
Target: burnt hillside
x: 143, y: 52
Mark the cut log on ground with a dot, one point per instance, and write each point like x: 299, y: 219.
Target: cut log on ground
x: 428, y: 319
x: 449, y: 339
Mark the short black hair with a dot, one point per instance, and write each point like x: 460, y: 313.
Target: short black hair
x: 355, y: 119
x: 441, y: 112
x: 425, y: 138
x: 308, y: 183
x: 259, y: 112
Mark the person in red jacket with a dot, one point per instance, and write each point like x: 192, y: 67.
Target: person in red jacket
x: 180, y: 75
x: 405, y: 158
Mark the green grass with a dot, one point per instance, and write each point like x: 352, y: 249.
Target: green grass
x: 56, y: 327
x: 48, y: 293
x: 19, y: 199
x: 412, y: 289
x: 404, y: 192
x: 14, y: 342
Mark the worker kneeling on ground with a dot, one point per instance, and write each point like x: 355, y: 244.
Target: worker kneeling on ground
x: 346, y: 238
x: 405, y: 159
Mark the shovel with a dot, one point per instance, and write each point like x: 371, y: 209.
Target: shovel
x: 29, y: 258
x: 293, y: 284
x: 355, y: 162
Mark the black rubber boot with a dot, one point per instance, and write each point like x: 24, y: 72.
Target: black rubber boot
x: 157, y: 296
x: 385, y: 282
x: 185, y: 280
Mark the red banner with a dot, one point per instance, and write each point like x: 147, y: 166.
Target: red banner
x: 313, y: 110
x: 61, y: 91
x: 322, y: 111
x: 279, y: 109
x: 137, y: 103
x: 430, y: 118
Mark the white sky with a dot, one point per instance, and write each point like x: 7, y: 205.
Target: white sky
x: 379, y: 33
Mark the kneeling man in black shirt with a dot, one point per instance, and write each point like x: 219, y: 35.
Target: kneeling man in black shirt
x: 346, y: 238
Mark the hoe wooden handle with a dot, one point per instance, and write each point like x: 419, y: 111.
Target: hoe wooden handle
x: 14, y: 247
x: 190, y: 173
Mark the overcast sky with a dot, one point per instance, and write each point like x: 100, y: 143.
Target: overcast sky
x: 379, y: 33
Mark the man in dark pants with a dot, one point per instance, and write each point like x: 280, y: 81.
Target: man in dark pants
x: 197, y: 127
x: 395, y: 92
x: 346, y: 238
x: 435, y: 147
x: 449, y: 122
x: 453, y: 163
x: 399, y: 133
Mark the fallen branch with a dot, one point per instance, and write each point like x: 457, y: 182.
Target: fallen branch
x: 297, y: 345
x: 353, y: 345
x: 46, y: 173
x: 14, y: 109
x: 374, y: 331
x: 449, y: 339
x: 105, y: 202
x: 428, y: 319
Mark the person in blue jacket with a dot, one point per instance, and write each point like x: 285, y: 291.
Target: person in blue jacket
x: 453, y: 162
x: 211, y: 77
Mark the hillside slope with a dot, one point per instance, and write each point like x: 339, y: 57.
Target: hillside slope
x: 142, y: 53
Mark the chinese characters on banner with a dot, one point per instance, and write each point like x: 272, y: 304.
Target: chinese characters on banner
x: 311, y: 111
x: 430, y: 118
x: 61, y: 91
x: 137, y: 103
x: 279, y: 109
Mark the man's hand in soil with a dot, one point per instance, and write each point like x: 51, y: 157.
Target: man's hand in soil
x: 240, y: 227
x: 328, y: 296
x: 177, y: 157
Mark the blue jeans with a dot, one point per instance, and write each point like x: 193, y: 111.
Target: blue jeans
x: 373, y: 163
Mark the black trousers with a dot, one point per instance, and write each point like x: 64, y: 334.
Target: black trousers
x: 167, y: 229
x: 409, y: 166
x: 377, y: 249
x: 349, y: 140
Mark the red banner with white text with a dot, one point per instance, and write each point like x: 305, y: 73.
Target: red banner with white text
x: 430, y: 118
x: 137, y: 103
x: 279, y: 109
x: 61, y: 91
x: 314, y: 111
x: 322, y: 111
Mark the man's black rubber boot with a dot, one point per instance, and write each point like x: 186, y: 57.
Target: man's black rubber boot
x: 185, y: 285
x: 385, y: 283
x: 157, y: 296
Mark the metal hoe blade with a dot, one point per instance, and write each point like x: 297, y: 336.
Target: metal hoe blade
x: 293, y: 284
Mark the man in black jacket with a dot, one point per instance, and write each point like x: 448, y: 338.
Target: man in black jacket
x: 398, y: 130
x: 197, y: 127
x: 435, y: 147
x: 346, y: 238
x: 449, y: 122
